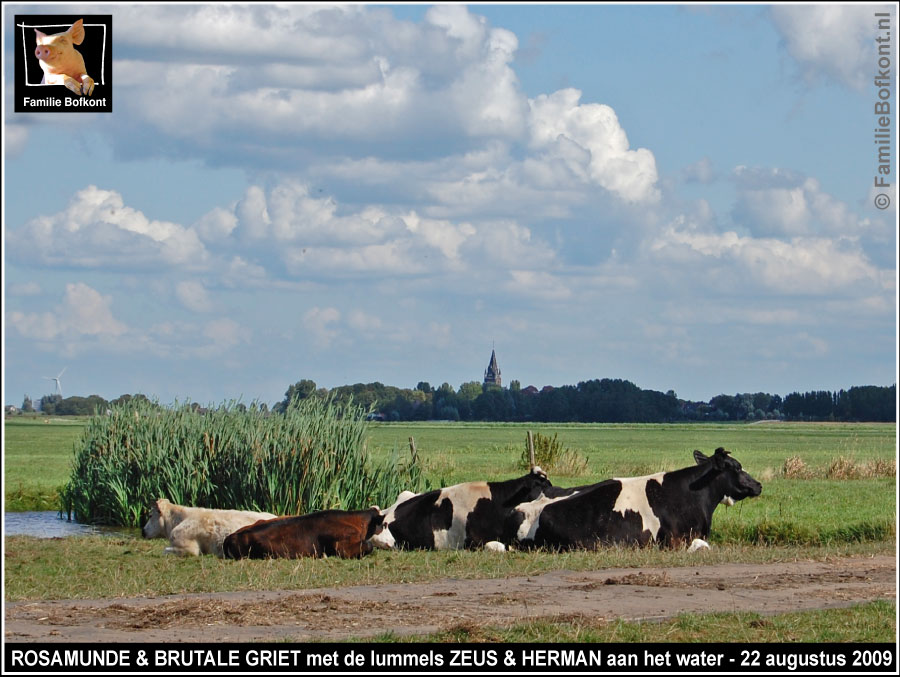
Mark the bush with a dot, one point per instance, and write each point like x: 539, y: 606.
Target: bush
x: 311, y: 458
x: 550, y: 455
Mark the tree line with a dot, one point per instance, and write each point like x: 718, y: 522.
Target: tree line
x: 600, y: 401
x: 593, y: 401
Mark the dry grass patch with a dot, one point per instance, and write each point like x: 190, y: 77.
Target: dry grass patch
x: 840, y: 468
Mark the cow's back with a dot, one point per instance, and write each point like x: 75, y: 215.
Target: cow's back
x: 417, y: 519
x: 328, y: 532
x: 588, y: 519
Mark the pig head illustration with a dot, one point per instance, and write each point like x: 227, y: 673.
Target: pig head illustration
x: 61, y: 62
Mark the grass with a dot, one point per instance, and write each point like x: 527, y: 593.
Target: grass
x: 815, y: 516
x: 870, y: 622
x: 313, y: 457
x: 88, y: 567
x: 38, y: 456
x: 461, y: 452
x: 37, y: 460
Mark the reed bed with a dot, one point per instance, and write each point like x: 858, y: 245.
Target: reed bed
x: 313, y: 457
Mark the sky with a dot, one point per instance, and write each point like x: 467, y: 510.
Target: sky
x: 677, y: 195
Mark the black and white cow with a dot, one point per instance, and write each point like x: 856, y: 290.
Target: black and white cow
x: 668, y: 508
x: 467, y: 515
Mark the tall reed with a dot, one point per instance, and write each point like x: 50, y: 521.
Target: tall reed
x: 312, y: 457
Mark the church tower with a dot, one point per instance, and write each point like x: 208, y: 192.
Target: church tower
x: 492, y: 373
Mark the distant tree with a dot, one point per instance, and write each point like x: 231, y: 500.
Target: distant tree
x: 448, y: 414
x: 470, y: 390
x: 494, y: 404
x: 27, y: 405
x: 81, y: 406
x: 124, y: 399
x: 298, y: 391
x: 49, y: 403
x: 424, y: 386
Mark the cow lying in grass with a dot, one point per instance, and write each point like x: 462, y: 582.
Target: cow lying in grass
x: 319, y: 534
x: 196, y: 531
x: 466, y: 515
x: 668, y: 508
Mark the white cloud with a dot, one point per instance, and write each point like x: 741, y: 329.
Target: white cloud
x: 364, y: 322
x: 537, y: 284
x: 588, y: 139
x: 831, y: 41
x: 804, y: 265
x: 323, y: 72
x: 285, y: 86
x: 193, y: 296
x: 98, y: 230
x: 225, y: 333
x: 312, y: 237
x: 84, y: 312
x: 320, y: 323
x: 776, y: 202
x: 443, y: 235
x: 701, y: 171
x: 215, y: 225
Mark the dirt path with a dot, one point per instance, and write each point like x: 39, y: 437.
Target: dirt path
x: 334, y: 613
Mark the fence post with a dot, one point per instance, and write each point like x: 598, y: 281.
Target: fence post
x: 412, y: 448
x: 531, y: 449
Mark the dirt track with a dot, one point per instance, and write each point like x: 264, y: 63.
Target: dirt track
x: 335, y: 613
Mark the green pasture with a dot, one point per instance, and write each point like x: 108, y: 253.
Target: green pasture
x: 38, y: 456
x: 462, y: 452
x: 814, y: 517
x: 37, y: 460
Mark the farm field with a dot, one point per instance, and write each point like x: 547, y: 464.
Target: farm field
x: 837, y: 504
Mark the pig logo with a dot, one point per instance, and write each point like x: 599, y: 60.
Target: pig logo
x: 61, y: 62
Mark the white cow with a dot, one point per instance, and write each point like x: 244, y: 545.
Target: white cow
x: 196, y: 531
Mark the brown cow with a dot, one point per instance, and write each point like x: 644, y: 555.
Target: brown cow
x: 328, y: 532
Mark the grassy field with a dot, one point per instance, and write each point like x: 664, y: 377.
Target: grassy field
x: 38, y: 455
x: 37, y: 460
x: 834, y: 508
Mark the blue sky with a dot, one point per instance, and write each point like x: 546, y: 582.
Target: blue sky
x: 676, y: 195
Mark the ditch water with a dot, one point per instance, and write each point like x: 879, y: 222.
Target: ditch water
x: 48, y: 524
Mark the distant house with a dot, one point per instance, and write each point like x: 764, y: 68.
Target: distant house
x: 11, y: 409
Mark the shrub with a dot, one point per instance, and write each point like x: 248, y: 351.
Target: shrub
x: 311, y: 458
x: 550, y: 455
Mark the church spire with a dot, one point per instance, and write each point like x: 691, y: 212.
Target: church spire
x: 492, y: 373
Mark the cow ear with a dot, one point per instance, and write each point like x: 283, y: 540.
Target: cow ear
x: 720, y: 457
x: 700, y: 457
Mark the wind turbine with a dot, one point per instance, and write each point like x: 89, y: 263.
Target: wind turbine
x: 56, y: 379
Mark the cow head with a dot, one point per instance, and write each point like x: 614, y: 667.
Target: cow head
x: 156, y: 524
x: 733, y: 481
x: 537, y: 483
x: 376, y: 522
